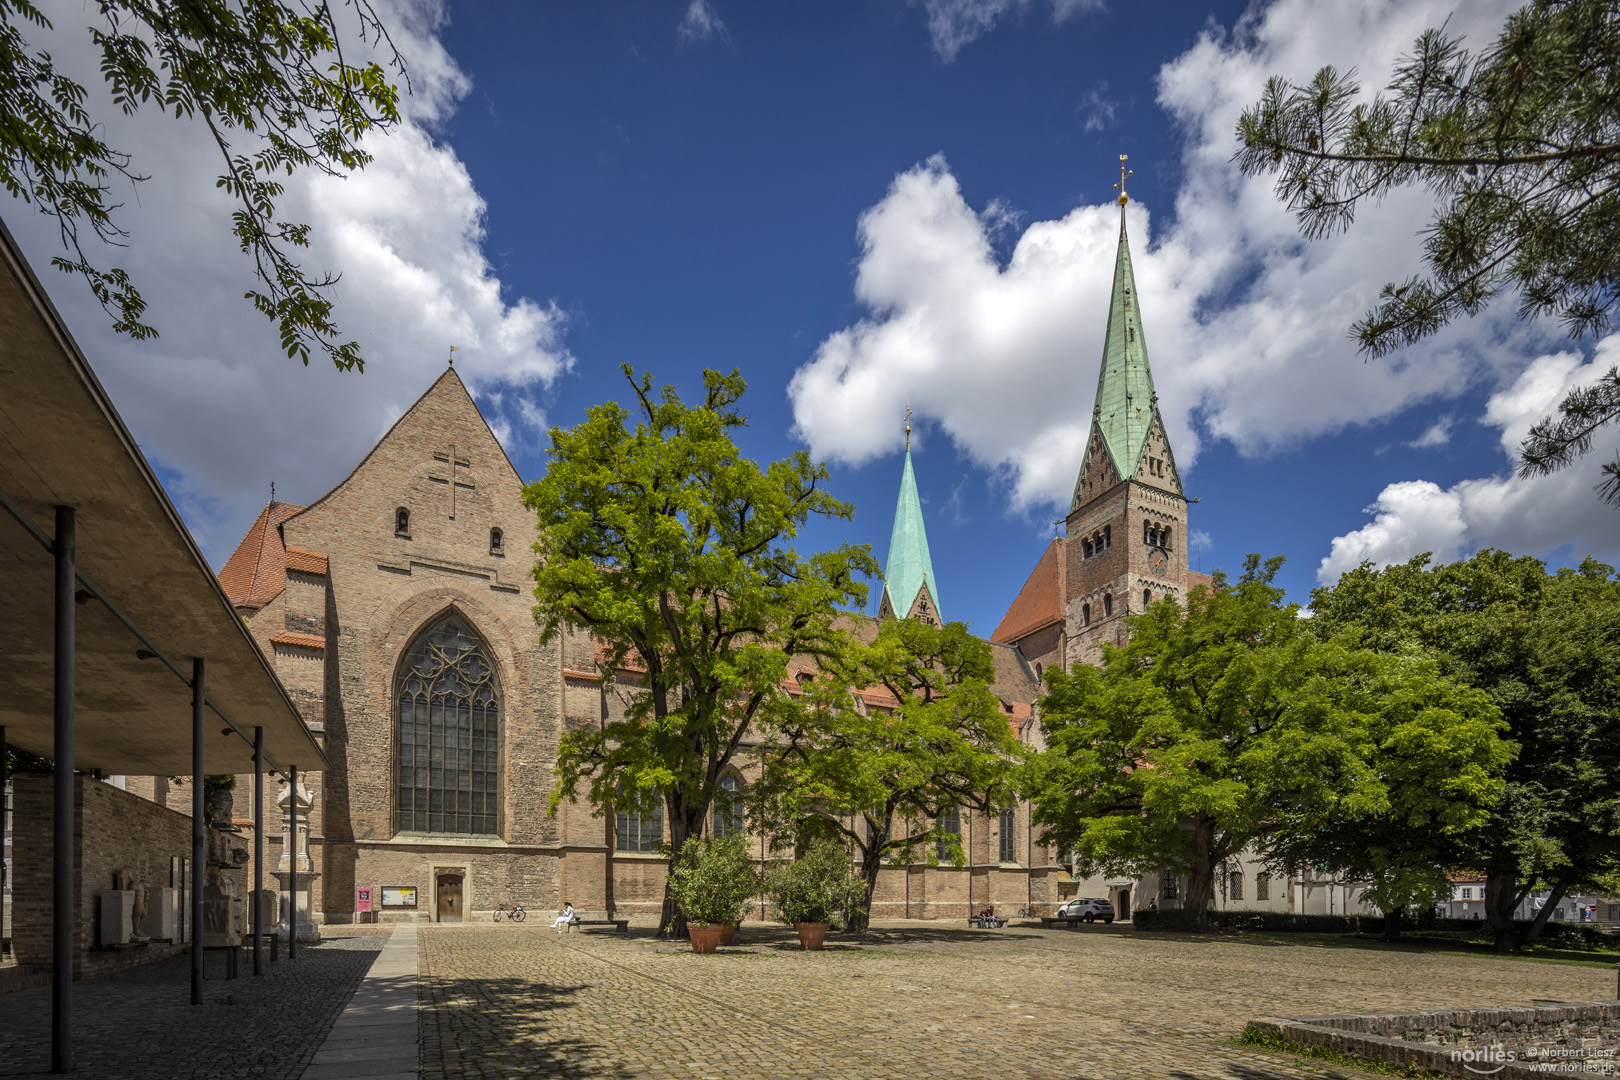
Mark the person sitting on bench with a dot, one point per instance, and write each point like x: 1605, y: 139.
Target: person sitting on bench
x: 565, y: 917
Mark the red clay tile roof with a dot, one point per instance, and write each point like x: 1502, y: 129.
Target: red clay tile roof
x: 303, y: 641
x: 1196, y: 578
x: 1039, y: 603
x: 256, y: 572
x: 306, y: 562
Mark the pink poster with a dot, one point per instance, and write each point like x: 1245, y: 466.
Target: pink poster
x: 362, y: 898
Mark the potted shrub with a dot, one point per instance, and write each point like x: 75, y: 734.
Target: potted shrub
x: 813, y: 892
x: 711, y: 882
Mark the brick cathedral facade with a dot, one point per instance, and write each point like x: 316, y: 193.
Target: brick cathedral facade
x: 397, y: 611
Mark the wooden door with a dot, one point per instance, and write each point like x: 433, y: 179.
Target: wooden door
x: 449, y: 895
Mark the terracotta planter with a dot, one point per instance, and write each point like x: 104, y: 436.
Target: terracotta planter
x: 705, y: 939
x: 728, y: 933
x: 811, y: 934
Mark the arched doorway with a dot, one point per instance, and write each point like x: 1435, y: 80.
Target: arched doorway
x: 1122, y: 905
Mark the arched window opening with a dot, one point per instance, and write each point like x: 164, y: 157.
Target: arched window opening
x: 1108, y: 605
x: 1147, y: 532
x: 1038, y: 671
x: 949, y: 822
x: 448, y: 756
x: 1009, y: 836
x: 1164, y: 538
x: 402, y: 522
x: 1085, y: 547
x: 495, y: 542
x: 640, y: 822
x: 728, y: 818
x: 1147, y: 598
x: 1108, y: 536
x: 1085, y: 614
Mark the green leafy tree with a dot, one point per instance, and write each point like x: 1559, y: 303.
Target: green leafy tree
x: 1543, y: 647
x: 1434, y: 762
x: 268, y: 81
x: 1520, y: 143
x: 881, y: 779
x: 674, y: 550
x: 1229, y: 723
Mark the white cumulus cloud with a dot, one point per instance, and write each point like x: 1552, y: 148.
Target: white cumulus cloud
x: 1539, y: 515
x: 1246, y: 323
x: 213, y: 401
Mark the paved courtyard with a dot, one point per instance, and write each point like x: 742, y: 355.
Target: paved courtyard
x: 917, y: 1000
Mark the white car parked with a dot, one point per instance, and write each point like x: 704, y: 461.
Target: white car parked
x: 1088, y: 908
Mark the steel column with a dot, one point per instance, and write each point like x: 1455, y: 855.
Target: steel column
x: 197, y: 837
x: 62, y: 821
x: 292, y: 863
x: 258, y: 851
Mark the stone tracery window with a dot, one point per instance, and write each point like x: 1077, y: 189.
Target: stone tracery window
x: 447, y: 763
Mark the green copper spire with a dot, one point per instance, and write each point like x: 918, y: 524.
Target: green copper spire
x: 909, y: 566
x: 1126, y: 403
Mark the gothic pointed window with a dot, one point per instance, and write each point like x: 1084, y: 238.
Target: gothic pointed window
x: 1108, y: 605
x: 1009, y: 835
x: 1085, y: 614
x: 948, y: 822
x: 640, y: 822
x: 728, y: 807
x: 447, y: 763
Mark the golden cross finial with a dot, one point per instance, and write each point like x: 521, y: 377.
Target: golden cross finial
x: 1124, y: 175
x: 908, y: 425
x: 453, y: 350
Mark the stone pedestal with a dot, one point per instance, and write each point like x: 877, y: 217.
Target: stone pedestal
x: 117, y: 917
x: 160, y: 914
x: 295, y: 911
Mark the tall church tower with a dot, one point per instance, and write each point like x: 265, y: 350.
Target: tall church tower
x: 909, y: 587
x: 1127, y: 523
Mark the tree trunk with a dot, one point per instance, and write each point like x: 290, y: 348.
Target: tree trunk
x: 1539, y: 923
x: 1502, y: 895
x: 682, y: 827
x: 1393, y: 920
x: 1201, y: 882
x: 871, y: 863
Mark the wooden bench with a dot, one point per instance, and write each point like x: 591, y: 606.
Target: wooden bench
x: 620, y: 926
x: 994, y: 922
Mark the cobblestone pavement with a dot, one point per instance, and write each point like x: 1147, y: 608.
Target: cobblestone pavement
x: 141, y: 1023
x: 916, y: 1000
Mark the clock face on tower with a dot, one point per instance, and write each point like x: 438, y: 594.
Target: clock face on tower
x: 1159, y: 562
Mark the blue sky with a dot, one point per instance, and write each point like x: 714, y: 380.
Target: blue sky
x: 857, y: 203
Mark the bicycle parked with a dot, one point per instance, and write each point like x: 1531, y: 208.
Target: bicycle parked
x: 514, y: 912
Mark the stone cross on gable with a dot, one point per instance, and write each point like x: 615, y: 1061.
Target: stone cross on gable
x: 452, y: 461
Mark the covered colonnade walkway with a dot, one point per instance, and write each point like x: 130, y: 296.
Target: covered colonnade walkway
x: 122, y: 654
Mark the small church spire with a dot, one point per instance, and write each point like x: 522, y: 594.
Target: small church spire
x: 909, y: 586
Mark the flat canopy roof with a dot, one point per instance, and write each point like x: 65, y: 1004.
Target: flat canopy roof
x: 143, y: 584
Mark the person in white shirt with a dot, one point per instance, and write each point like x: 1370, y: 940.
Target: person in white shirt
x: 565, y: 917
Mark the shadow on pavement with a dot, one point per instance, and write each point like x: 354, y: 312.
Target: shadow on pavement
x: 502, y: 1027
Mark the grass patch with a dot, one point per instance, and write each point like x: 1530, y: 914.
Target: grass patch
x: 1266, y: 1039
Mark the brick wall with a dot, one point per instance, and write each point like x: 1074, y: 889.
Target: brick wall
x: 113, y: 830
